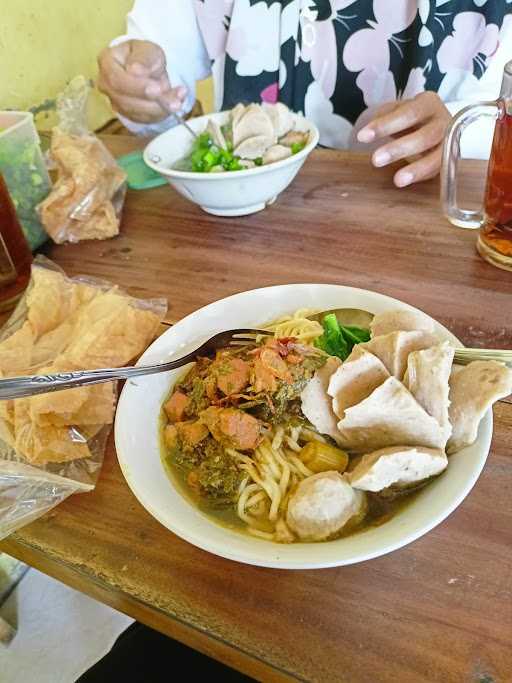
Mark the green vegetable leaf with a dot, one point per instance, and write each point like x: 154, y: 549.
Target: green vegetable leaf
x: 339, y: 340
x: 332, y: 341
x: 356, y: 334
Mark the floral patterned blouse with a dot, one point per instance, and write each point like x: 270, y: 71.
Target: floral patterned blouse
x: 333, y: 60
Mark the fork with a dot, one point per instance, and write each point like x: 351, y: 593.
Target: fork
x: 18, y: 387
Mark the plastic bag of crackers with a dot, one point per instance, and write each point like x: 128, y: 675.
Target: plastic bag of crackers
x: 52, y: 445
x: 88, y: 195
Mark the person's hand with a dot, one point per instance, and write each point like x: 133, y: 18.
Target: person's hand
x: 134, y: 76
x: 418, y: 126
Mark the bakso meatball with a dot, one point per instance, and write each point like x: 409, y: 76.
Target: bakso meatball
x: 322, y: 505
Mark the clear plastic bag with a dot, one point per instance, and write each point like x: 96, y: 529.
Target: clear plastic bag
x: 52, y: 445
x: 88, y: 196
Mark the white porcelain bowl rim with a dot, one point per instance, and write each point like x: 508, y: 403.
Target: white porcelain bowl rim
x: 136, y: 437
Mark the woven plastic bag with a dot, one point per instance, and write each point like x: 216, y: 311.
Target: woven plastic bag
x: 52, y: 445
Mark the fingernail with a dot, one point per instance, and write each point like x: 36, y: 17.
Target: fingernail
x: 403, y: 179
x: 366, y: 135
x: 381, y: 158
x: 172, y: 105
x: 153, y: 90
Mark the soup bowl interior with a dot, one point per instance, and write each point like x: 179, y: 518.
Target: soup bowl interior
x: 137, y: 436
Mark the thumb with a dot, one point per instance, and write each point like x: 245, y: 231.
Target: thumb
x: 145, y: 59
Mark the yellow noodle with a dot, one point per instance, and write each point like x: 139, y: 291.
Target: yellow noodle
x: 257, y: 498
x: 297, y: 325
x: 244, y: 459
x: 262, y: 534
x: 241, y: 504
x: 310, y: 435
x: 265, y: 485
x: 242, y: 486
x: 267, y: 474
x: 295, y: 433
x: 235, y: 454
x: 285, y: 479
x: 292, y: 444
x: 291, y: 465
x: 276, y: 501
x: 265, y: 450
x: 270, y: 477
x: 278, y: 438
x: 305, y: 471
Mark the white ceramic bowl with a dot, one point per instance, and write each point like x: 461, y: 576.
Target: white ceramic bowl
x: 137, y: 441
x: 235, y: 193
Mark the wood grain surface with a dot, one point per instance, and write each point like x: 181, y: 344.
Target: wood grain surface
x: 438, y: 610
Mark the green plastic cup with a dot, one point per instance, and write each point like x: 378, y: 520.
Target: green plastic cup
x: 24, y: 171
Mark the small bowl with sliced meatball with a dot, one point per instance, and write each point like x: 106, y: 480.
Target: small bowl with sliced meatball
x: 239, y: 161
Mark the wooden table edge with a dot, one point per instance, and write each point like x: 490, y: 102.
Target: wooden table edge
x: 151, y: 616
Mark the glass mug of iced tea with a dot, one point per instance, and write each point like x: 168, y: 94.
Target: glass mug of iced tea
x: 495, y: 219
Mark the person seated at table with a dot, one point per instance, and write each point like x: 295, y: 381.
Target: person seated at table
x: 363, y: 72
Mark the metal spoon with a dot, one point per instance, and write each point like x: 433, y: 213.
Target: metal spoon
x: 181, y: 121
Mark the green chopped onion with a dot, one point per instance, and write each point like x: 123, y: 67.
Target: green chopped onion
x: 297, y: 147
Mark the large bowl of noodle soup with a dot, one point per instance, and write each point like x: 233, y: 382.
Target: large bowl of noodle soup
x: 137, y: 435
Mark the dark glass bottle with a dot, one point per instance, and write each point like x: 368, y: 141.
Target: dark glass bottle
x: 15, y: 254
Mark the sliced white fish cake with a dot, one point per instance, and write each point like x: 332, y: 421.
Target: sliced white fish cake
x: 394, y: 348
x: 400, y: 465
x: 281, y: 117
x: 253, y: 147
x: 276, y: 153
x: 316, y: 403
x: 216, y: 134
x: 390, y: 416
x: 322, y: 505
x: 400, y: 319
x: 473, y: 390
x: 427, y: 376
x: 253, y: 122
x: 236, y: 113
x: 355, y: 380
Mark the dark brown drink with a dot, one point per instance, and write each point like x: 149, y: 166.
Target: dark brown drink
x: 15, y: 255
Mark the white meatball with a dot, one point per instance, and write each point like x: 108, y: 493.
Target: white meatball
x: 322, y: 505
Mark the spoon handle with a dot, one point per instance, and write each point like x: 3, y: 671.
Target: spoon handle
x: 465, y: 355
x: 180, y: 120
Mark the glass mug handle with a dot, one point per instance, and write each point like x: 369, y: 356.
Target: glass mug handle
x: 462, y: 218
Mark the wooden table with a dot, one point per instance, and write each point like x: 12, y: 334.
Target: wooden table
x: 438, y: 610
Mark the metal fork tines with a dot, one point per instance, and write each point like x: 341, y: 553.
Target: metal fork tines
x: 18, y: 387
